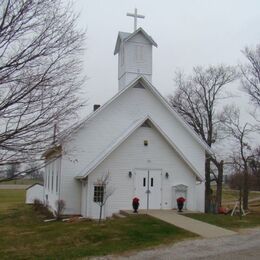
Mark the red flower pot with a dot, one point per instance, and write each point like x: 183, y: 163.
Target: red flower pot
x: 135, y: 204
x: 180, y: 203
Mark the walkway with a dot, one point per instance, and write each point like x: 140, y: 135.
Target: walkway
x: 195, y: 226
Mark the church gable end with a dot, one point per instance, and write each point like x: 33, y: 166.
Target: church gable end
x: 147, y: 125
x: 129, y: 106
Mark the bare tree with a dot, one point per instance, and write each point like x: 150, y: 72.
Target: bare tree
x: 196, y: 99
x: 12, y: 170
x: 33, y: 171
x: 102, y: 192
x: 40, y: 75
x: 240, y: 133
x: 22, y: 171
x: 251, y: 74
x: 255, y: 168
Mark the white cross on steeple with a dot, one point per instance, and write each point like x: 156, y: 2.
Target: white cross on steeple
x: 135, y: 15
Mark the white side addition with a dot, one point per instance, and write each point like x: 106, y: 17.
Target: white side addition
x: 34, y: 192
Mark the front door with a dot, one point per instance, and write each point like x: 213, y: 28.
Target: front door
x: 148, y: 188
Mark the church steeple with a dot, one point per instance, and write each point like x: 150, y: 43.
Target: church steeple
x: 134, y: 54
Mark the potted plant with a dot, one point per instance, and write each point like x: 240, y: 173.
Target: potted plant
x: 180, y: 203
x: 135, y: 204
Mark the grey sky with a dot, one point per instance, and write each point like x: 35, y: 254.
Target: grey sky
x: 188, y: 33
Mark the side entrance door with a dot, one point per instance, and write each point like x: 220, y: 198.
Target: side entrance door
x: 148, y: 188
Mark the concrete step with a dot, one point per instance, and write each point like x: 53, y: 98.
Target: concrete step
x: 118, y: 215
x: 127, y: 212
x: 124, y: 213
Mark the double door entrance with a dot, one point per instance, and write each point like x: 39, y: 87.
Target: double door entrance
x: 148, y: 188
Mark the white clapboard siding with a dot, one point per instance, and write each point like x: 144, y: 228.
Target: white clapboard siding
x: 157, y: 155
x: 103, y: 129
x: 51, y: 191
x: 134, y: 56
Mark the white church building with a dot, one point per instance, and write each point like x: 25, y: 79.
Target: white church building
x: 136, y: 138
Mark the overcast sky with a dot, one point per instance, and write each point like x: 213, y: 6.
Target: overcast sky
x: 188, y: 33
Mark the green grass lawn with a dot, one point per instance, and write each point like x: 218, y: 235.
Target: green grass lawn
x: 24, y: 235
x: 227, y: 221
x: 10, y: 199
x: 22, y: 181
x: 229, y: 195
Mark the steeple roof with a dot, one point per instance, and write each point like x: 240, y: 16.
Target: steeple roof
x: 124, y: 37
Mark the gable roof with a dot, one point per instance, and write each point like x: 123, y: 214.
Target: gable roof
x: 124, y: 37
x: 144, y: 82
x: 118, y: 141
x: 34, y: 185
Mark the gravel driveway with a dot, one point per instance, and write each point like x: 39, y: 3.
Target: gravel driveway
x: 245, y: 245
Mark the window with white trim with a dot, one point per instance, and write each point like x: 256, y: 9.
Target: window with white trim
x: 139, y: 53
x: 52, y: 176
x: 99, y: 193
x: 45, y: 177
x: 122, y: 56
x: 48, y: 173
x: 57, y: 175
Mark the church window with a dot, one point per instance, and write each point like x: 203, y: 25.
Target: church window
x: 122, y: 58
x: 151, y: 182
x: 52, y: 177
x: 144, y: 180
x: 45, y: 176
x: 139, y: 53
x: 58, y: 162
x: 99, y: 193
x: 139, y: 85
x: 48, y: 174
x: 57, y: 181
x: 146, y: 124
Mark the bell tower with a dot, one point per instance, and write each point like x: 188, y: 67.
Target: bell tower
x: 134, y: 54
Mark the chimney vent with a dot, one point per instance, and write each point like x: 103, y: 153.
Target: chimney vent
x: 95, y: 107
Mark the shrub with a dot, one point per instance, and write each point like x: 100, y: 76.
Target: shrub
x: 39, y: 207
x: 60, y: 207
x: 37, y: 204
